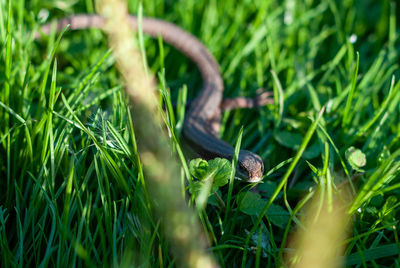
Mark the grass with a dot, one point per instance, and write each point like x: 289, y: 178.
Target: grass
x: 73, y: 190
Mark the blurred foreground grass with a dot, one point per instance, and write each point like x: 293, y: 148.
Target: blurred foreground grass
x: 73, y: 192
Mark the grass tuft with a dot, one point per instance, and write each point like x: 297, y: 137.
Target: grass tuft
x: 74, y: 191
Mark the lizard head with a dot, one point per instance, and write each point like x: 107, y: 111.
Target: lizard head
x: 250, y: 166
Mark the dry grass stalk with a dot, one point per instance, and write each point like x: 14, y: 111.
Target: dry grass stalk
x: 160, y: 167
x: 320, y: 244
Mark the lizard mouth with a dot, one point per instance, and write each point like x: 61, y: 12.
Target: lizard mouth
x: 254, y: 179
x: 243, y: 176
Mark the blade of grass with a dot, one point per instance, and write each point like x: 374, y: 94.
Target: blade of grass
x: 296, y: 159
x: 350, y: 97
x: 232, y: 176
x: 48, y: 61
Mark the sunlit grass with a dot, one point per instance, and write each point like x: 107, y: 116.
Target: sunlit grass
x: 73, y: 189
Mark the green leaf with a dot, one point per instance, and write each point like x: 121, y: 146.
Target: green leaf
x: 217, y: 169
x: 252, y: 204
x: 314, y: 169
x: 221, y: 167
x: 376, y: 201
x: 267, y: 188
x: 198, y: 186
x: 355, y: 157
x: 278, y: 216
x: 288, y: 139
x: 213, y: 199
x: 312, y: 151
x: 204, y: 191
x: 211, y: 175
x: 293, y: 141
x: 388, y: 212
x: 198, y: 168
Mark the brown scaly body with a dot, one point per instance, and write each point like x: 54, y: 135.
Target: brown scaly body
x: 203, y: 117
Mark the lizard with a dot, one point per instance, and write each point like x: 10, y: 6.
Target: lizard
x: 202, y: 120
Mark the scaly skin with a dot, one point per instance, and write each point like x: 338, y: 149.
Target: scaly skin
x: 201, y: 124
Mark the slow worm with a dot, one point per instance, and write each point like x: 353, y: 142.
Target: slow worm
x: 201, y: 124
